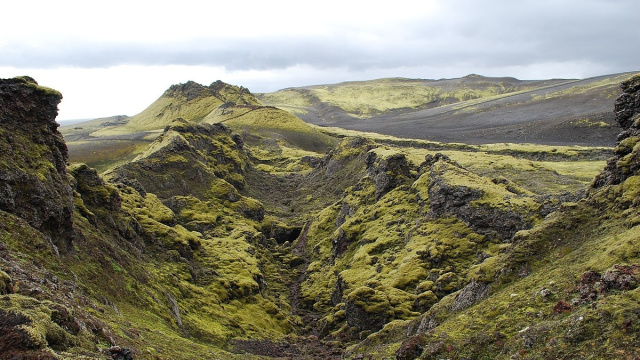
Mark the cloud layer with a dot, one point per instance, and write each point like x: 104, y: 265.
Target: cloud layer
x: 354, y: 39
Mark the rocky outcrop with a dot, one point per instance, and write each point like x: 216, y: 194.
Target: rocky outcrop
x: 224, y: 92
x: 367, y: 309
x: 626, y: 161
x: 33, y: 173
x: 6, y: 284
x: 186, y: 160
x: 387, y: 172
x: 470, y: 294
x: 95, y: 192
x: 198, y: 160
x: 594, y: 285
x: 450, y: 195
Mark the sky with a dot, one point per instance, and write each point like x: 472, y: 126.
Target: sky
x: 116, y: 57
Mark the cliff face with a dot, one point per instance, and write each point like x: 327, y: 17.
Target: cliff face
x: 626, y: 161
x: 33, y: 174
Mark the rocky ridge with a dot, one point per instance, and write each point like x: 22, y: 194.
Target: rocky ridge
x: 578, y: 260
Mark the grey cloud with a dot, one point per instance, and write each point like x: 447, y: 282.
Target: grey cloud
x: 482, y: 34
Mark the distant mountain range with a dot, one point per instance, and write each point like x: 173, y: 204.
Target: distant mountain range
x: 473, y: 109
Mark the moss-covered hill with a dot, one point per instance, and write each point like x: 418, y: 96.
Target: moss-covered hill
x: 471, y: 109
x: 104, y: 143
x: 365, y: 99
x: 245, y: 233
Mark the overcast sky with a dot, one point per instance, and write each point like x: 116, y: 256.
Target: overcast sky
x: 116, y: 57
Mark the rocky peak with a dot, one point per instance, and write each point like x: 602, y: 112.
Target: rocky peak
x: 627, y: 105
x: 220, y: 86
x: 33, y: 174
x: 190, y: 90
x: 225, y: 92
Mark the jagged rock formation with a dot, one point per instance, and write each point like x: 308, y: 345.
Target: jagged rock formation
x: 488, y: 208
x: 226, y: 93
x: 387, y: 173
x: 187, y: 159
x: 404, y: 237
x: 626, y: 161
x: 33, y: 175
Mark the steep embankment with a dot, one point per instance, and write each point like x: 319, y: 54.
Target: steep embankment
x: 34, y: 184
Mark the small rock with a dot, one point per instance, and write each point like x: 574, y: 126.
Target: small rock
x: 6, y: 284
x: 545, y: 292
x: 410, y: 349
x: 119, y: 353
x: 562, y: 307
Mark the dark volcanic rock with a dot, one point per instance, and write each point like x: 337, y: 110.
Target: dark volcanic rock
x: 387, y: 172
x: 626, y: 161
x: 618, y: 277
x: 95, y: 192
x: 367, y: 309
x: 471, y: 294
x: 33, y: 174
x: 6, y: 284
x: 410, y: 349
x: 453, y: 199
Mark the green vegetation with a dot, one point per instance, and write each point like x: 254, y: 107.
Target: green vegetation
x: 236, y: 230
x: 367, y: 98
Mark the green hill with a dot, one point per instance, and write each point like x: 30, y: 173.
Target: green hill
x: 104, y: 143
x: 365, y: 99
x: 472, y: 109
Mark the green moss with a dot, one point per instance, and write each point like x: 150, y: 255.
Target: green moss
x: 370, y: 300
x: 6, y: 284
x: 32, y: 322
x: 157, y: 211
x: 367, y: 98
x: 493, y: 196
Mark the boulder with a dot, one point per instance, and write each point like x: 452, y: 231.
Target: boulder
x: 6, y: 284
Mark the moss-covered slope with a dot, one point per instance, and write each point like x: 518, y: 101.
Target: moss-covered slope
x: 473, y: 109
x: 364, y: 99
x: 174, y: 282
